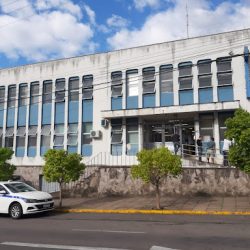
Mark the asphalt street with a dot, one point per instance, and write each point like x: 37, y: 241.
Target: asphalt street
x: 123, y: 231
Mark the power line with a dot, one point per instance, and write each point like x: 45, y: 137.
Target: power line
x: 181, y: 59
x: 94, y: 89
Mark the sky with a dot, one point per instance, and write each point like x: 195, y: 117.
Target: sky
x: 39, y: 30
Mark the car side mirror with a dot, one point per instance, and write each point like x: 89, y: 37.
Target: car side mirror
x: 3, y: 192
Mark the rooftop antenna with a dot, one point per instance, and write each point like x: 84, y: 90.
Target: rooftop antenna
x: 187, y: 18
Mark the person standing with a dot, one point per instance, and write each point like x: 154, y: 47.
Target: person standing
x: 199, y: 146
x: 211, y: 150
x: 176, y: 142
x: 226, y: 145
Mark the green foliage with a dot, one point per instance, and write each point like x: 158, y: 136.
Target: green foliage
x: 238, y: 129
x: 61, y: 166
x: 6, y: 169
x: 156, y: 164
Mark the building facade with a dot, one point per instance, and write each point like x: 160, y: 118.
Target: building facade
x: 111, y: 105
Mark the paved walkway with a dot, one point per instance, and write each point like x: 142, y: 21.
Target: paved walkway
x: 206, y: 204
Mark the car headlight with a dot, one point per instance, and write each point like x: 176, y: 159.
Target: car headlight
x: 30, y: 200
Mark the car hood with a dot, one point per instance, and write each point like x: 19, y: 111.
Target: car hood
x: 38, y: 195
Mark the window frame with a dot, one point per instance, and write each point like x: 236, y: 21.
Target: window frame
x: 23, y: 97
x: 115, y: 84
x: 116, y: 129
x: 11, y: 100
x: 204, y: 74
x: 73, y: 91
x: 47, y: 93
x: 147, y: 73
x: 224, y: 72
x: 2, y: 98
x: 86, y: 134
x: 133, y: 84
x: 60, y: 90
x: 33, y: 94
x: 87, y: 88
x: 185, y: 65
x: 168, y: 68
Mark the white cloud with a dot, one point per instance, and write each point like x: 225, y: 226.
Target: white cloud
x: 90, y: 13
x: 117, y: 21
x: 54, y: 31
x: 171, y: 24
x: 63, y: 5
x: 141, y: 4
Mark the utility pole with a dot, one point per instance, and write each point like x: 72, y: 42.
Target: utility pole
x: 187, y: 19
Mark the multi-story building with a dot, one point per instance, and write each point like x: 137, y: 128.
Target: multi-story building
x: 122, y: 101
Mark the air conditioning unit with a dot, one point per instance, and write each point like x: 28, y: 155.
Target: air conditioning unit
x: 95, y: 133
x: 104, y: 123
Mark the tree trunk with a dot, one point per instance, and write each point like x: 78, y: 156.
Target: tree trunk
x: 158, y: 205
x: 60, y: 195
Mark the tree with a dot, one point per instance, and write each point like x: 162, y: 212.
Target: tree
x: 238, y: 130
x: 62, y: 167
x: 155, y: 165
x: 6, y: 169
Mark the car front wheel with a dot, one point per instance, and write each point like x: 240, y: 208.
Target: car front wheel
x: 16, y: 211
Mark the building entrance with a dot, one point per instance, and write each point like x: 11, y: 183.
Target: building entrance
x: 165, y: 134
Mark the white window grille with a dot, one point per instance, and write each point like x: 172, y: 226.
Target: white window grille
x: 132, y: 82
x: 21, y: 131
x: 32, y: 130
x: 46, y: 130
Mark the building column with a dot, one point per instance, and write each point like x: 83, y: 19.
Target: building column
x: 53, y: 109
x: 216, y: 133
x: 27, y: 124
x: 140, y: 134
x: 214, y: 81
x: 79, y: 150
x: 15, y: 119
x: 66, y: 111
x: 176, y: 85
x: 196, y: 130
x: 5, y: 114
x: 157, y: 88
x: 39, y: 119
x: 195, y: 84
x: 124, y: 136
x: 140, y: 88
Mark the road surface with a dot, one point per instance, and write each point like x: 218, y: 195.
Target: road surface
x: 117, y: 231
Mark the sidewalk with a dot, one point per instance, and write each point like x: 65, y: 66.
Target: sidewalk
x: 178, y: 205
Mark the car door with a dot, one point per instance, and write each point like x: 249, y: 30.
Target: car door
x: 4, y: 201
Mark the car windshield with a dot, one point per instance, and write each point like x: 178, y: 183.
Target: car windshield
x: 19, y: 187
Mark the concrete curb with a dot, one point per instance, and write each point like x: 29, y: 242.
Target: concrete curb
x: 162, y: 212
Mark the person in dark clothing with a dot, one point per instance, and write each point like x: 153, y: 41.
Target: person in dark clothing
x: 199, y: 146
x: 176, y: 141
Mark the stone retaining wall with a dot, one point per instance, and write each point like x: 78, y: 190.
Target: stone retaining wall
x: 117, y: 181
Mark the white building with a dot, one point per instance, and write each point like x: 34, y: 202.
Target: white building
x: 116, y: 103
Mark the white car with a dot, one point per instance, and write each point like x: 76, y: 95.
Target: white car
x: 18, y: 198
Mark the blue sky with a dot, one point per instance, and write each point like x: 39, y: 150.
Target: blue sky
x: 40, y: 30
